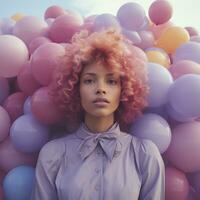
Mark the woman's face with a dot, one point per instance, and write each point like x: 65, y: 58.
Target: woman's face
x: 100, y: 90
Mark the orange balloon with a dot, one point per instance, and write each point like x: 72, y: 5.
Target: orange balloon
x: 17, y: 16
x: 172, y: 38
x: 158, y: 57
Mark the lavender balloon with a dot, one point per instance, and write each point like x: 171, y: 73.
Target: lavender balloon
x: 184, y: 95
x: 131, y: 16
x: 154, y: 127
x: 104, y: 21
x: 159, y: 82
x: 187, y: 51
x: 28, y: 135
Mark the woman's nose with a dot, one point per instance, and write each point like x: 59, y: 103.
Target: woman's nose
x: 100, y: 88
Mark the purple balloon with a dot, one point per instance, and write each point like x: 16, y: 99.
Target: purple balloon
x: 104, y: 21
x: 131, y: 16
x: 159, y: 82
x: 178, y: 116
x: 28, y: 135
x: 184, y: 95
x: 154, y: 127
x: 187, y: 51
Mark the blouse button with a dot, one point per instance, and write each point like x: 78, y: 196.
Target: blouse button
x: 97, y: 170
x: 97, y: 187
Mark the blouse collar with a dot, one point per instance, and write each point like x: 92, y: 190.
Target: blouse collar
x: 110, y: 141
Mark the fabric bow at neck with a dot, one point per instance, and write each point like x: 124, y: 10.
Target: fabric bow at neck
x: 109, y: 142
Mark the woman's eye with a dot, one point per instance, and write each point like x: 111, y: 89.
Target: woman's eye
x: 112, y: 82
x: 88, y: 81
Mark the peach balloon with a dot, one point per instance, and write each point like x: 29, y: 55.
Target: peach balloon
x: 13, y: 54
x: 172, y: 38
x: 158, y: 57
x: 17, y: 16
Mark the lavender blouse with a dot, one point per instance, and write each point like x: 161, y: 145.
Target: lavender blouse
x: 112, y: 165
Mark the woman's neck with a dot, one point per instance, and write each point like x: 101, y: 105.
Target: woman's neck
x: 96, y: 125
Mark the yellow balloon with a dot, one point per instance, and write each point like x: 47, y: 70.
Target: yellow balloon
x: 17, y: 16
x: 158, y: 57
x: 172, y: 38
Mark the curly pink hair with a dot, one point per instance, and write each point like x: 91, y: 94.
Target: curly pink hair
x: 110, y: 47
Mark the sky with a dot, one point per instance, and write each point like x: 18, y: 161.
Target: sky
x: 185, y: 13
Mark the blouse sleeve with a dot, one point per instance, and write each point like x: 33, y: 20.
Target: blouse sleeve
x: 153, y: 172
x: 46, y: 170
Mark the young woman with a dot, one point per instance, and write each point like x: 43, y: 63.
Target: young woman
x: 102, y: 87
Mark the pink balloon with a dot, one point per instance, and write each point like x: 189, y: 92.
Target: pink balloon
x: 1, y: 192
x: 147, y: 39
x: 44, y: 108
x: 13, y: 54
x: 195, y: 38
x: 131, y: 16
x: 160, y: 11
x: 4, y: 124
x: 4, y: 89
x: 177, y: 186
x: 44, y: 60
x: 184, y: 67
x: 64, y: 27
x: 183, y: 151
x: 36, y: 42
x: 54, y: 11
x: 192, y: 31
x: 29, y: 27
x: 26, y: 81
x: 157, y: 30
x: 137, y: 53
x: 14, y: 105
x: 10, y: 157
x: 88, y: 23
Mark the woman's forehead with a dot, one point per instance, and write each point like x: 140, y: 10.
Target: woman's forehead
x: 97, y: 68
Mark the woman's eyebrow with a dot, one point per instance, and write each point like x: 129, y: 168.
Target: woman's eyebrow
x: 93, y: 74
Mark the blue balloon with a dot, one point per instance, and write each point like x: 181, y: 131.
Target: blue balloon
x: 159, y: 81
x: 18, y: 183
x: 28, y: 134
x: 153, y: 127
x: 184, y: 95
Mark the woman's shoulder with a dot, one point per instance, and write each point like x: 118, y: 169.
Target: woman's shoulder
x: 145, y: 147
x: 52, y: 150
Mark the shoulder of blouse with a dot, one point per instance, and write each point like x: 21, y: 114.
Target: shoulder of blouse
x: 52, y: 151
x: 146, y: 150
